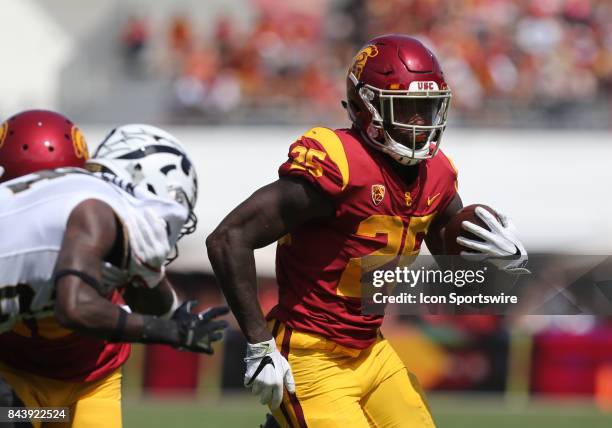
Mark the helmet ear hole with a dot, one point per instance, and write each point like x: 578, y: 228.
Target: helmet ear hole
x: 185, y: 165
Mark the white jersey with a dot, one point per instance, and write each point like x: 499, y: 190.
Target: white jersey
x: 34, y: 211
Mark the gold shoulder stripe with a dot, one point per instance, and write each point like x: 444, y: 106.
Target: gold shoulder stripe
x: 334, y: 148
x: 452, y: 164
x: 3, y: 132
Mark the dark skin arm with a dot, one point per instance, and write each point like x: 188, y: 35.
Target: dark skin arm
x: 434, y: 238
x: 267, y: 215
x: 150, y: 301
x: 89, y: 238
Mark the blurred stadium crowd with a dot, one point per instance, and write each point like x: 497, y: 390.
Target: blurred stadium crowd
x: 526, y: 62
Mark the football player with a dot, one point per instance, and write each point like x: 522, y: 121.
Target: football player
x: 62, y: 227
x: 380, y: 187
x: 31, y: 141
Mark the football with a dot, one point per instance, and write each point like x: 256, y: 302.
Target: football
x: 453, y: 229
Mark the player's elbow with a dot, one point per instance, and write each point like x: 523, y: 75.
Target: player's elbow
x: 216, y: 243
x: 75, y: 308
x: 220, y: 242
x: 69, y: 315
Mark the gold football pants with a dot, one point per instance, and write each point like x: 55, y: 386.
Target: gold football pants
x: 340, y: 387
x: 92, y: 404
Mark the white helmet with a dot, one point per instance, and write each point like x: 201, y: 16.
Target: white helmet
x: 149, y: 158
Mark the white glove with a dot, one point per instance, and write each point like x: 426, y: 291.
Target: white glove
x: 149, y: 248
x: 267, y: 371
x: 501, y: 246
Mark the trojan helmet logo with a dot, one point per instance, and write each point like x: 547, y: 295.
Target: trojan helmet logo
x: 361, y: 58
x: 378, y: 194
x: 3, y: 132
x: 79, y: 143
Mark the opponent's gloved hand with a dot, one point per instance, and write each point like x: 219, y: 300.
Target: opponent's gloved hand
x: 500, y: 246
x: 197, y: 331
x: 267, y: 371
x: 149, y: 248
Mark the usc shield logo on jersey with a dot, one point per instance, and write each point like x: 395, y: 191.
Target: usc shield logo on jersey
x: 378, y: 193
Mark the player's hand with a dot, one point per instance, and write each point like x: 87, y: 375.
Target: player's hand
x: 149, y: 247
x: 267, y: 371
x: 500, y: 245
x: 197, y: 331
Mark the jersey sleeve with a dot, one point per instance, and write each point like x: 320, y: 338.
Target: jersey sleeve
x: 319, y: 158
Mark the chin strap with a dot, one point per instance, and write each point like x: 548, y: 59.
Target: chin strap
x: 403, y: 160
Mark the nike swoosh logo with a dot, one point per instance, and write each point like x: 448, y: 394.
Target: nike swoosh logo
x: 263, y: 363
x: 432, y: 198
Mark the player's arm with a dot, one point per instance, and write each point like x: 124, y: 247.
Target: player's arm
x: 90, y: 236
x: 160, y: 301
x: 434, y: 238
x: 266, y: 216
x: 263, y: 218
x: 149, y: 291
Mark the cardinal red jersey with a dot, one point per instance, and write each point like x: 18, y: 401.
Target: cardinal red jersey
x: 319, y: 264
x: 42, y: 347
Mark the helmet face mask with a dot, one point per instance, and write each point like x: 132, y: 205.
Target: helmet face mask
x: 400, y: 111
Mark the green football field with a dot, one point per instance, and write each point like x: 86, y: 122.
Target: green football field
x: 456, y: 411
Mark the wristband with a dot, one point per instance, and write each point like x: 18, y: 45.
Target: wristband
x: 86, y: 278
x: 120, y: 329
